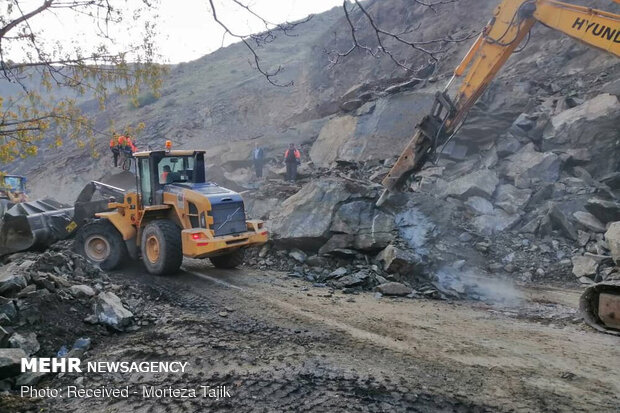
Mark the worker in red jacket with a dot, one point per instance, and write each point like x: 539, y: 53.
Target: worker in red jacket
x: 292, y: 158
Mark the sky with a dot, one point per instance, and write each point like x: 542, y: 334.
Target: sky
x: 186, y: 30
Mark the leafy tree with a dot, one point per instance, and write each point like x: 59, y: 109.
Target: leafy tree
x: 49, y: 76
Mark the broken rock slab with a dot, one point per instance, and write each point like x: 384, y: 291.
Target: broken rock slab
x: 493, y: 223
x: 480, y: 183
x: 396, y: 260
x: 393, y: 289
x: 589, y: 221
x: 528, y: 165
x: 511, y: 199
x: 612, y: 236
x: 584, y: 266
x: 109, y: 311
x: 27, y: 342
x: 304, y: 219
x: 560, y: 222
x: 10, y: 361
x: 479, y: 205
x: 605, y: 211
x: 82, y: 291
x: 11, y: 280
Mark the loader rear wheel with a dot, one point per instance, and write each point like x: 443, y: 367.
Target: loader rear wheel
x: 101, y: 243
x: 230, y: 260
x: 162, y: 249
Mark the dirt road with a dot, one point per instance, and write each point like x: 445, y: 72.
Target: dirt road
x: 280, y: 344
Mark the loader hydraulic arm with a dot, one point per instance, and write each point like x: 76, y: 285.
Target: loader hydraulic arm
x: 510, y: 24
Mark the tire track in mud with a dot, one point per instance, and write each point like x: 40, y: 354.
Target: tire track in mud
x: 280, y: 356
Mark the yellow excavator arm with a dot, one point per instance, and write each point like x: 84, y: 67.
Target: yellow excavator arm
x: 510, y: 24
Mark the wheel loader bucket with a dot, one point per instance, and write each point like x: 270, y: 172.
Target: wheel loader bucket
x: 600, y: 306
x: 34, y: 225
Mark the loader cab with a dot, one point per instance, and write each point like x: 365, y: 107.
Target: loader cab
x: 156, y: 169
x: 14, y: 184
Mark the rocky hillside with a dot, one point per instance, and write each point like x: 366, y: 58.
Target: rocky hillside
x: 527, y: 188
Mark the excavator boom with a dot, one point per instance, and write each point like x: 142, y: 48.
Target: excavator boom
x: 510, y: 24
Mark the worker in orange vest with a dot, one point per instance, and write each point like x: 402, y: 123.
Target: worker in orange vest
x: 115, y: 151
x: 291, y: 159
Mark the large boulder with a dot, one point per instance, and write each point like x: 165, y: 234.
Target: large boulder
x: 371, y: 228
x: 612, y: 236
x: 10, y: 361
x: 480, y: 183
x: 304, y: 220
x: 605, y: 211
x: 528, y: 165
x: 109, y: 311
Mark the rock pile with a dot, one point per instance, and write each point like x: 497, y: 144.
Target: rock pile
x: 47, y: 300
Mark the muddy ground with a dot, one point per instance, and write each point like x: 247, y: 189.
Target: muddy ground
x: 280, y: 344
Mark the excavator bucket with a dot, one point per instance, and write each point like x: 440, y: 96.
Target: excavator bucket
x: 600, y: 306
x: 34, y: 225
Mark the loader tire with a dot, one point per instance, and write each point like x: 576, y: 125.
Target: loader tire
x: 162, y: 248
x: 101, y: 243
x: 230, y: 260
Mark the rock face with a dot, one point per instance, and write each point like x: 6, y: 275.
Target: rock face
x: 480, y: 183
x: 333, y: 136
x: 370, y: 228
x: 612, y: 236
x: 10, y: 361
x: 109, y: 311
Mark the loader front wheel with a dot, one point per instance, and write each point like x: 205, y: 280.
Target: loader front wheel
x: 230, y: 260
x: 162, y: 249
x: 101, y: 244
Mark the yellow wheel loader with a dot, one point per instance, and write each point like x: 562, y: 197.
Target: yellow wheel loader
x: 173, y: 213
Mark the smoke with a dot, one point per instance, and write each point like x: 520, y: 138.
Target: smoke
x: 478, y: 285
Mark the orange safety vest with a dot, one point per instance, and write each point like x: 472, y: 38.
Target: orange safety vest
x: 112, y: 143
x: 164, y: 176
x: 122, y: 140
x: 296, y: 153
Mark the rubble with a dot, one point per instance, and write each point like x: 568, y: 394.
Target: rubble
x: 584, y: 266
x: 604, y: 211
